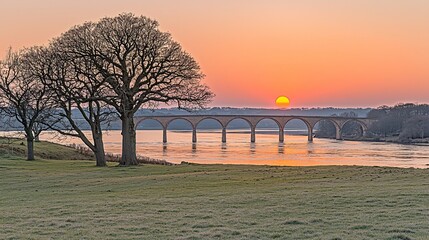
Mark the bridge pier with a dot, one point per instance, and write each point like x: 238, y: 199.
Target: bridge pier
x: 164, y: 135
x: 224, y: 135
x: 338, y: 134
x: 194, y: 135
x: 281, y: 135
x: 252, y: 134
x: 310, y: 134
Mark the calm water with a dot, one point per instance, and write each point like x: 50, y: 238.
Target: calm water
x: 295, y: 151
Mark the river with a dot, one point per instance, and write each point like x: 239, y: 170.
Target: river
x: 295, y: 151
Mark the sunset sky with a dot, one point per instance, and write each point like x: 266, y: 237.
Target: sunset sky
x: 337, y: 53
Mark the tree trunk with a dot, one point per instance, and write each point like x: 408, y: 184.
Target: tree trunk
x: 129, y: 156
x: 100, y: 155
x: 30, y: 149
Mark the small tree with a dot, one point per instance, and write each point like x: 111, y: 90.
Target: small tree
x: 141, y: 66
x: 75, y: 91
x: 23, y: 96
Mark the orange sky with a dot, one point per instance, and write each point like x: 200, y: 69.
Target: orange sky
x: 339, y: 53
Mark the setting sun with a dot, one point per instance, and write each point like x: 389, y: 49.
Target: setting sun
x: 282, y: 102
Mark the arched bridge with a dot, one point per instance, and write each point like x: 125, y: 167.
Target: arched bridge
x: 253, y: 120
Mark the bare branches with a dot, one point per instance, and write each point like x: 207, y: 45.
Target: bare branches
x: 134, y: 65
x: 77, y: 91
x: 139, y: 63
x: 24, y: 97
x: 98, y: 70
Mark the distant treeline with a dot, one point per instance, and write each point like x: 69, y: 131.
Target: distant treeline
x: 405, y: 121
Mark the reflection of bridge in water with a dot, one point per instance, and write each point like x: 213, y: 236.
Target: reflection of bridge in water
x: 253, y: 120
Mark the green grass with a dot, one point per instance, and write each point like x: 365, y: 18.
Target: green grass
x: 48, y: 199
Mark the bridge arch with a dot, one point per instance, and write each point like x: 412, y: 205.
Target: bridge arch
x: 302, y: 119
x: 209, y: 118
x: 362, y: 125
x: 239, y: 118
x: 191, y: 123
x: 307, y: 123
x: 279, y: 126
x: 251, y: 126
x: 157, y: 126
x: 148, y: 119
x: 179, y: 118
x: 333, y: 122
x: 269, y: 118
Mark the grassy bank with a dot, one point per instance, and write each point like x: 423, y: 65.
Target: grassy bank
x: 74, y: 200
x: 16, y: 148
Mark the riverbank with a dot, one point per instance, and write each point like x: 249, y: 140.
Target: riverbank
x: 16, y: 148
x: 74, y: 200
x: 414, y: 141
x: 394, y: 139
x: 417, y: 141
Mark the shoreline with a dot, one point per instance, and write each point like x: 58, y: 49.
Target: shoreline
x: 412, y: 142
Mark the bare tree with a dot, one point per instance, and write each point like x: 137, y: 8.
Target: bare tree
x: 23, y: 96
x: 415, y: 127
x: 75, y: 90
x: 141, y: 65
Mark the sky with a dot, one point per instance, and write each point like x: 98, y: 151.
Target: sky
x: 339, y: 53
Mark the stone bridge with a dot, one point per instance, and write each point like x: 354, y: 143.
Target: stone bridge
x: 253, y: 120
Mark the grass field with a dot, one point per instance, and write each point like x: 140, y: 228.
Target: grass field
x: 74, y: 200
x: 52, y: 199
